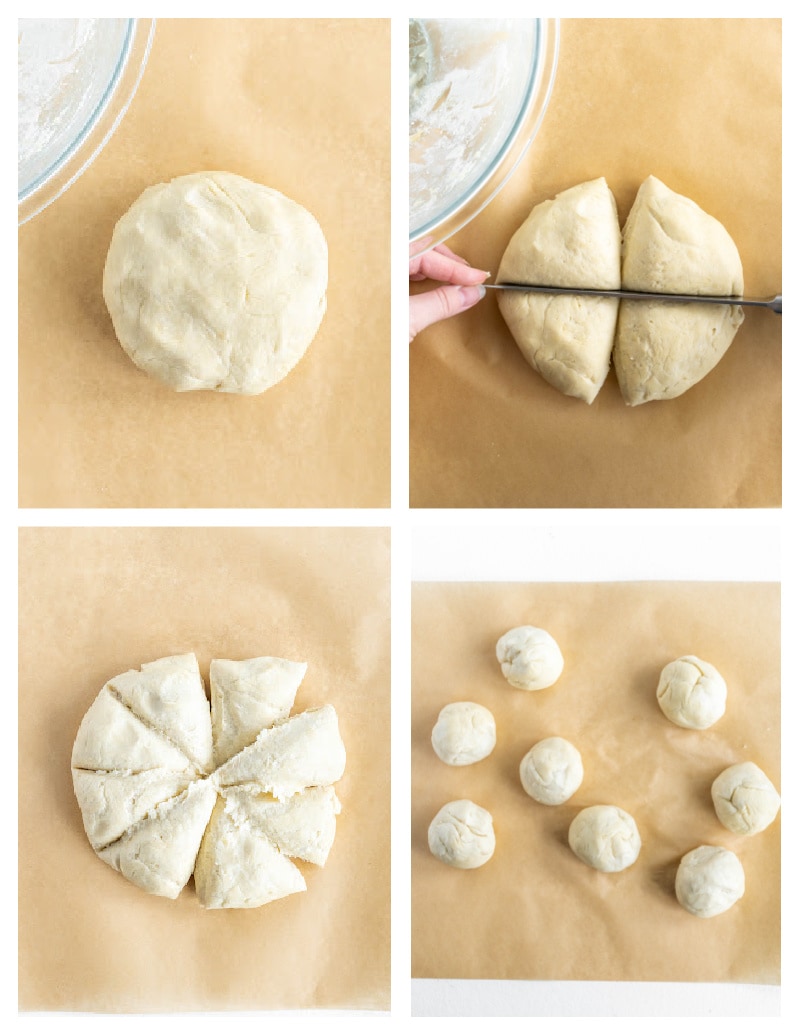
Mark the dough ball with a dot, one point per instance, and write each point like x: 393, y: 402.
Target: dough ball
x: 462, y: 835
x: 530, y: 658
x: 605, y: 837
x: 215, y: 282
x: 464, y: 733
x: 571, y: 241
x: 744, y: 799
x: 551, y: 771
x: 691, y: 693
x: 672, y: 246
x: 709, y: 880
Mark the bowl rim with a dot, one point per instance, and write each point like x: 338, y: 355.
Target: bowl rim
x: 495, y: 176
x: 99, y: 126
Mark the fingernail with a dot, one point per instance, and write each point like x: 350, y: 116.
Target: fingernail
x: 472, y: 294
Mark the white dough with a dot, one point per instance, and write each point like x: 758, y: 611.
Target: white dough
x: 169, y: 695
x: 464, y: 733
x: 709, y: 881
x: 691, y: 693
x: 147, y: 806
x: 744, y: 798
x: 671, y: 246
x: 605, y: 837
x: 239, y: 868
x: 303, y: 826
x: 111, y: 803
x: 530, y: 658
x: 247, y: 697
x: 551, y: 771
x: 461, y: 834
x: 571, y: 241
x: 111, y: 737
x: 215, y: 282
x: 303, y: 751
x: 158, y: 854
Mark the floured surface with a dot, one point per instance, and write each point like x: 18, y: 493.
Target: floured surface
x: 486, y: 431
x: 616, y: 638
x: 89, y: 940
x: 270, y: 100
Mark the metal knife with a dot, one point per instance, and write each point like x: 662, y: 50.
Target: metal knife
x: 775, y: 304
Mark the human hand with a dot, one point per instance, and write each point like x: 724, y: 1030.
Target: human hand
x: 461, y: 287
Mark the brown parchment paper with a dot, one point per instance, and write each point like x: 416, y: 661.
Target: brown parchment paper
x: 301, y: 106
x: 696, y: 103
x: 95, y: 602
x: 534, y: 911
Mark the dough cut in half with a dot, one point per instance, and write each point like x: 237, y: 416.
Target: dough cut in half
x: 570, y: 241
x: 215, y: 282
x: 670, y: 245
x: 150, y: 810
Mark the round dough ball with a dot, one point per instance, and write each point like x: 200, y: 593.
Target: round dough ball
x: 691, y: 693
x: 461, y: 835
x: 215, y: 282
x: 551, y: 771
x: 605, y: 837
x: 744, y: 799
x: 530, y: 658
x: 464, y: 733
x: 709, y: 880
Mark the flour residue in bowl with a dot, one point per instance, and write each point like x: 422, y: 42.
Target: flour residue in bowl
x: 65, y: 67
x: 467, y: 82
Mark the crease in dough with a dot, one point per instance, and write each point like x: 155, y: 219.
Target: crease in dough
x: 169, y: 696
x: 111, y: 737
x: 237, y: 866
x: 303, y: 751
x: 249, y: 696
x: 113, y: 802
x: 303, y: 826
x: 158, y: 854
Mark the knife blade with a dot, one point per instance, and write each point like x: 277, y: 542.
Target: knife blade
x: 775, y: 303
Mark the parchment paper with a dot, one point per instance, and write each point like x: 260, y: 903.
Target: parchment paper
x: 534, y: 911
x: 696, y: 103
x: 301, y: 106
x: 95, y: 602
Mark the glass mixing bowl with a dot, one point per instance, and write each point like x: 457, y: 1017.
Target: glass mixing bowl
x: 478, y: 90
x: 76, y: 78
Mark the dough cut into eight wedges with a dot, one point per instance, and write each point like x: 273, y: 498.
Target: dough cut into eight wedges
x: 168, y: 786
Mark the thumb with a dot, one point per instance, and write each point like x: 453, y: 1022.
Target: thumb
x: 441, y: 303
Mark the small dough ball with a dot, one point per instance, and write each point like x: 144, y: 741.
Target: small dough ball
x: 570, y: 241
x: 530, y: 658
x: 671, y: 246
x: 215, y: 282
x: 461, y: 835
x: 605, y: 837
x: 691, y: 693
x: 464, y: 733
x: 709, y: 880
x: 551, y: 771
x: 744, y: 798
